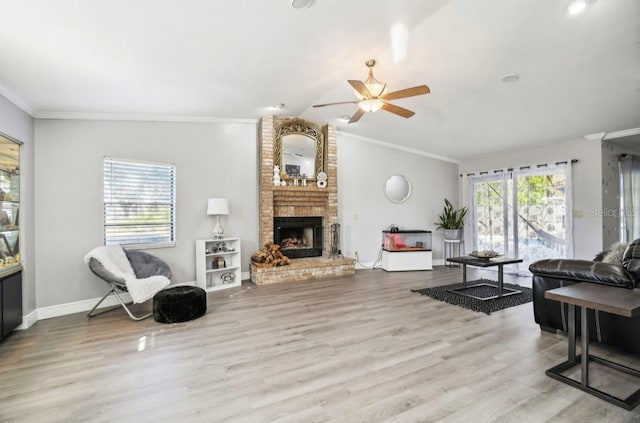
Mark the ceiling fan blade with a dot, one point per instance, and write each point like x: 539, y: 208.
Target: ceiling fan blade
x: 407, y: 92
x: 356, y: 116
x: 333, y: 104
x: 400, y: 111
x: 360, y: 87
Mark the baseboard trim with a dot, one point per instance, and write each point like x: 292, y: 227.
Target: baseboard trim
x: 368, y: 265
x: 43, y: 313
x: 50, y: 312
x: 28, y: 320
x: 79, y: 306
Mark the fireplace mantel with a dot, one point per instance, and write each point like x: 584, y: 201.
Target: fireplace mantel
x: 299, y: 197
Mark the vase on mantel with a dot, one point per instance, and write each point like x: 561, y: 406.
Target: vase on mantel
x: 276, y: 176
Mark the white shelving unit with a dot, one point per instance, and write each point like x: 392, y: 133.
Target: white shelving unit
x: 218, y: 263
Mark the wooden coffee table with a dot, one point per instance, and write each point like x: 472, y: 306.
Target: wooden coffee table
x: 477, y: 262
x: 620, y: 301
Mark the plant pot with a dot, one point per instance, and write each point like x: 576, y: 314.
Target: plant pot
x: 453, y: 234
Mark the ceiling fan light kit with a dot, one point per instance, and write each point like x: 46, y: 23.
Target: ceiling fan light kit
x: 371, y: 105
x: 373, y: 95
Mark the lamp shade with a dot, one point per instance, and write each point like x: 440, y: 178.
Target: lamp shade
x: 217, y: 206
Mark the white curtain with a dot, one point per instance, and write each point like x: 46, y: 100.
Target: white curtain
x: 629, y: 198
x: 488, y: 196
x: 525, y: 213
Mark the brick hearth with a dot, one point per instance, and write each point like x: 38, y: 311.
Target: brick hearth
x: 302, y: 269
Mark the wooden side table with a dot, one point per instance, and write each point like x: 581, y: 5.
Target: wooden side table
x: 620, y: 301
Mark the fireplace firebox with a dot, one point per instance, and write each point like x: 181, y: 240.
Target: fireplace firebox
x: 298, y: 236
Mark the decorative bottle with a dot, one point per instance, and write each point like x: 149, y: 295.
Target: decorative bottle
x: 276, y: 175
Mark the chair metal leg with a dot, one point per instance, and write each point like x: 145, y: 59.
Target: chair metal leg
x: 122, y: 303
x: 91, y: 312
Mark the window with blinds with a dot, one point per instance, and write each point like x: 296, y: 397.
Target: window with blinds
x: 139, y: 203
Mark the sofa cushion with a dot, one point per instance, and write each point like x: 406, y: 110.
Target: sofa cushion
x: 615, y: 254
x: 584, y: 271
x: 631, y: 259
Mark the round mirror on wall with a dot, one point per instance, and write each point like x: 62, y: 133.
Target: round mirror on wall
x: 397, y: 189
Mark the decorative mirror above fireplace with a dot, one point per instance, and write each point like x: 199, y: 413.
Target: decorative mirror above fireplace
x: 299, y: 149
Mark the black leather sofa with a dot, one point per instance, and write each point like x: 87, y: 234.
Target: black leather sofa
x: 604, y: 327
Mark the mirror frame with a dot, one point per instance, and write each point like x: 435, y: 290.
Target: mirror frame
x: 302, y: 127
x: 386, y: 189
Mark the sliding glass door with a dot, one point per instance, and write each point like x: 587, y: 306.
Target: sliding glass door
x: 490, y: 210
x: 523, y: 213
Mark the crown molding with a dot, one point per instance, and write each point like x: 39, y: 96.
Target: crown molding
x: 140, y: 117
x: 604, y: 136
x: 621, y: 134
x: 596, y: 137
x: 5, y: 92
x: 399, y: 147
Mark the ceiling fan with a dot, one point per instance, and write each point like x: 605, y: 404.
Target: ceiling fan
x: 373, y: 96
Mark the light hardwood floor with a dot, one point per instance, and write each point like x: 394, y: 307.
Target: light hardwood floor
x: 356, y: 349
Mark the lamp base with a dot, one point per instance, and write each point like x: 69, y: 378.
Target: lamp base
x: 218, y: 232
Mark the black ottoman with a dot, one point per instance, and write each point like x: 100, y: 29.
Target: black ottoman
x: 179, y: 304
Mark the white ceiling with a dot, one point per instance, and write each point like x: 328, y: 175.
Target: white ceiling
x: 234, y: 58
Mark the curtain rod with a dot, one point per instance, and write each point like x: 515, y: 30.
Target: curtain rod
x: 510, y: 169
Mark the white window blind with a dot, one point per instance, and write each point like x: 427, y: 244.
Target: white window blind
x: 139, y: 203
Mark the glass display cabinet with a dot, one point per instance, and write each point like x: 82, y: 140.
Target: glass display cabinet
x: 9, y: 213
x: 404, y: 250
x: 10, y: 266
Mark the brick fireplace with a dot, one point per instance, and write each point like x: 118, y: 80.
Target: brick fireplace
x: 298, y: 202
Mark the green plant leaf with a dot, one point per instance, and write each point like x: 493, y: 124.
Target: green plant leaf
x: 451, y: 218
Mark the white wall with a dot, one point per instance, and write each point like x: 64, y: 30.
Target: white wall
x: 587, y: 182
x: 363, y: 212
x: 212, y: 160
x: 18, y: 125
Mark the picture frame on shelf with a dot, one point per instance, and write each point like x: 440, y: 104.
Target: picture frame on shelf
x: 292, y: 169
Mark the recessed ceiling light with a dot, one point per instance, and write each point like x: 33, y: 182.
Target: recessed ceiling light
x: 510, y: 77
x: 301, y: 4
x: 576, y: 6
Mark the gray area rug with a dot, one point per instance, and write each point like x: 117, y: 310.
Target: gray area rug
x: 488, y: 306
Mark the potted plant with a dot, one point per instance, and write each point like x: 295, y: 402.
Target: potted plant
x: 451, y: 221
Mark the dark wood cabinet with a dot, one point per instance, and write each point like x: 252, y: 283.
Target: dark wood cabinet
x: 10, y: 302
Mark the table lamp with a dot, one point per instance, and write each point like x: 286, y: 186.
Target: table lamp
x: 217, y: 207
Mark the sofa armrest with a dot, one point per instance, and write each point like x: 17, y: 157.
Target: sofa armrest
x: 584, y: 271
